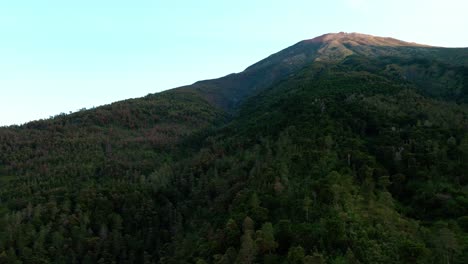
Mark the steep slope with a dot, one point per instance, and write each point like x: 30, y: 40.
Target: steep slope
x: 334, y: 165
x: 346, y: 148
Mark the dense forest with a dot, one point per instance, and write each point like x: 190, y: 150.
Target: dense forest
x: 321, y: 153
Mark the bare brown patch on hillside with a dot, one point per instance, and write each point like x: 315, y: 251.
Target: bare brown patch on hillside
x: 362, y: 39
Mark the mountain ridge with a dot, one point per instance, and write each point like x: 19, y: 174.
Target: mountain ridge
x: 355, y: 38
x: 230, y: 91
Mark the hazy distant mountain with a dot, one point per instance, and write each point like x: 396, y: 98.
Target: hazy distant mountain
x: 345, y: 148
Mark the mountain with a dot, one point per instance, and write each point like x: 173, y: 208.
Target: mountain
x: 230, y: 91
x: 345, y: 148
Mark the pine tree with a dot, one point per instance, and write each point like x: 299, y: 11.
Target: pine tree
x: 247, y: 250
x: 265, y: 239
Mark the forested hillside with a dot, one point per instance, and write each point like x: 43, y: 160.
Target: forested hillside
x: 346, y: 148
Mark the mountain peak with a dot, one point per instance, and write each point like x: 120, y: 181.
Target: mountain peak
x: 355, y: 39
x: 328, y: 48
x: 336, y: 46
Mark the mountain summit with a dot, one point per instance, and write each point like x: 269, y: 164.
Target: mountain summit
x: 361, y: 39
x: 230, y: 91
x: 336, y: 46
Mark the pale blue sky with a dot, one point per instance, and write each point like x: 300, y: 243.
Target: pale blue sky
x: 59, y: 56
